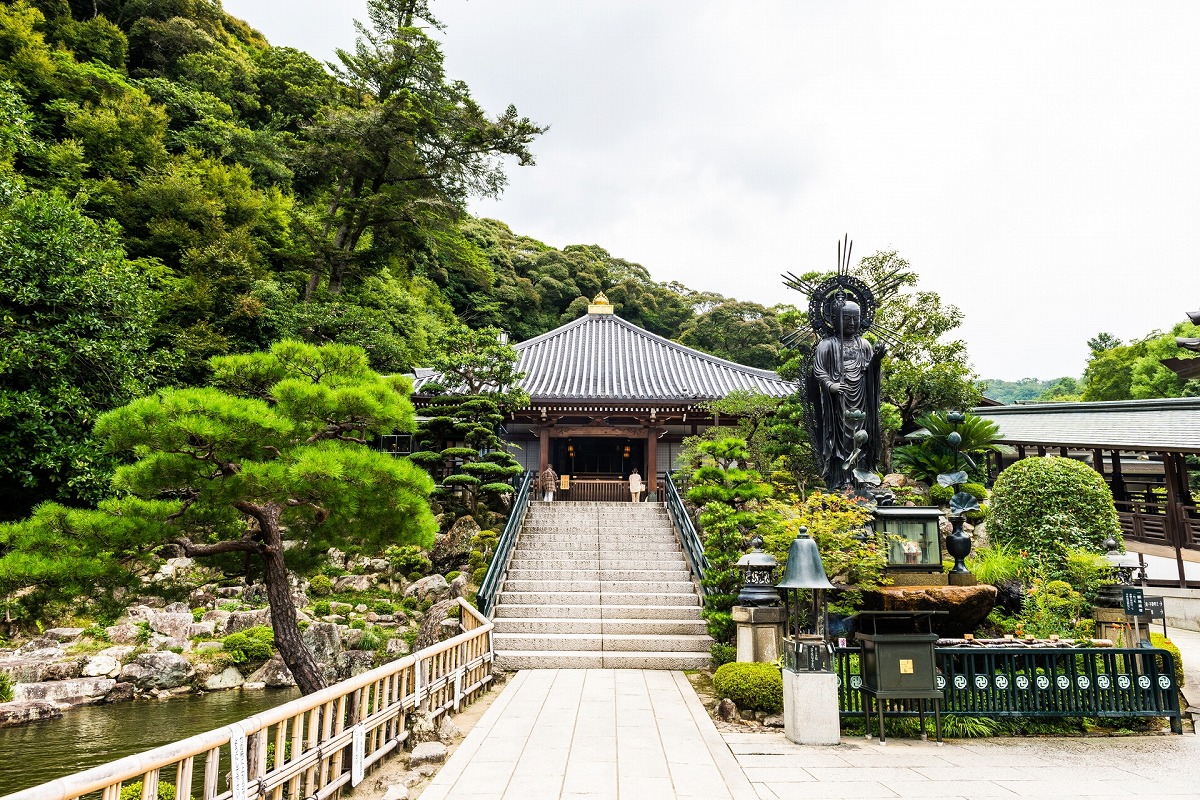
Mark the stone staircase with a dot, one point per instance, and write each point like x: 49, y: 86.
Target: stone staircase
x: 599, y: 585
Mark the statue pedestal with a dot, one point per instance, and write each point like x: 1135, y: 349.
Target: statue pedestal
x: 962, y: 579
x: 759, y: 632
x: 810, y: 708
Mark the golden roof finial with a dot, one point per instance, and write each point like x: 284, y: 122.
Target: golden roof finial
x: 600, y: 305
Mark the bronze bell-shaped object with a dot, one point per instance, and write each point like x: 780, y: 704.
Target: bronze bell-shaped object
x: 804, y: 568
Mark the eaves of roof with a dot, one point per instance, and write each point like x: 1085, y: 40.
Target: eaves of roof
x: 1169, y: 425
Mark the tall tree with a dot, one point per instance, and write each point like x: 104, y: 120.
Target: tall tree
x: 407, y: 153
x: 927, y: 370
x: 75, y: 322
x: 282, y: 448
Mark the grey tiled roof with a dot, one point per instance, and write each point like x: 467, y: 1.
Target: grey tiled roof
x: 1151, y: 425
x: 601, y: 357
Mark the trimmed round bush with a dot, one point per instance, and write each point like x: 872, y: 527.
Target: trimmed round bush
x: 1043, y: 505
x: 252, y: 644
x: 754, y: 686
x: 320, y: 585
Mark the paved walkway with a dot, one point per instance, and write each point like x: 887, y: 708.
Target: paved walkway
x: 643, y: 734
x: 1188, y: 643
x: 1068, y: 768
x: 595, y: 733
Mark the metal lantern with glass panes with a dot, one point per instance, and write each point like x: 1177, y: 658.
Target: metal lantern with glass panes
x: 758, y: 569
x: 910, y: 535
x: 804, y: 586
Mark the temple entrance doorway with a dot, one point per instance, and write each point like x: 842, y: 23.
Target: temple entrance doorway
x: 598, y: 457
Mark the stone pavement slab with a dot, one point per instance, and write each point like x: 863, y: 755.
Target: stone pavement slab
x: 597, y: 733
x: 1157, y: 766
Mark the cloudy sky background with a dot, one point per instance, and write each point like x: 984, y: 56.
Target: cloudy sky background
x: 1037, y: 163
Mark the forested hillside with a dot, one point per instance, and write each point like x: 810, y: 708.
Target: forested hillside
x: 176, y: 188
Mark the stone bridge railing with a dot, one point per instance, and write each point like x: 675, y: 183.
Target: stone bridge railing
x: 310, y: 747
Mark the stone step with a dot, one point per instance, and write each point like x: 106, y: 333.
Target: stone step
x: 651, y: 560
x: 612, y: 548
x: 629, y: 642
x: 506, y: 610
x: 598, y: 532
x: 606, y: 627
x: 567, y: 598
x: 623, y: 587
x: 509, y: 660
x: 677, y: 572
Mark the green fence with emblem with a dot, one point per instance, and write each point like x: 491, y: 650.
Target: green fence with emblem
x: 1037, y: 682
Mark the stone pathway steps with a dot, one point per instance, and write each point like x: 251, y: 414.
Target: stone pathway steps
x: 599, y: 585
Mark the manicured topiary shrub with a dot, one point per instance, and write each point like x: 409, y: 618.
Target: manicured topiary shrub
x: 320, y: 585
x: 754, y: 686
x: 1044, y: 505
x: 252, y: 644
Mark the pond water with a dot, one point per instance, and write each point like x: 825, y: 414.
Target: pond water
x: 90, y: 735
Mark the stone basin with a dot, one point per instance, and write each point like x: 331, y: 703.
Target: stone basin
x: 968, y: 606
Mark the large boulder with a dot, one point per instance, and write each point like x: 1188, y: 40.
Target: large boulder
x: 324, y: 641
x: 171, y: 624
x: 63, y: 670
x: 126, y: 633
x: 21, y: 711
x: 354, y: 583
x: 158, y: 671
x: 968, y: 606
x: 30, y: 667
x: 431, y: 586
x: 243, y: 620
x: 64, y: 634
x: 453, y: 547
x: 274, y: 673
x: 101, y: 666
x: 229, y: 678
x: 74, y: 692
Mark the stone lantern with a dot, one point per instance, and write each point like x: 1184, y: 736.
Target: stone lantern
x: 758, y: 616
x: 758, y: 569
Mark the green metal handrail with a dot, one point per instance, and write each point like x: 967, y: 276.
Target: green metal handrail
x: 1037, y: 682
x: 485, y: 599
x: 693, y: 549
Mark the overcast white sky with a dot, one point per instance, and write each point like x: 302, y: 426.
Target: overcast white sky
x: 1036, y: 162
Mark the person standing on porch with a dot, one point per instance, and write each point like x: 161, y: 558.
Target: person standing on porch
x: 635, y: 486
x: 549, y: 483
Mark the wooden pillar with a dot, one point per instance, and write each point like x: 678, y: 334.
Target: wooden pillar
x: 1174, y: 516
x: 1041, y: 450
x: 1118, y: 480
x: 543, y: 448
x: 1062, y: 451
x: 1020, y: 451
x: 651, y: 459
x: 1098, y: 461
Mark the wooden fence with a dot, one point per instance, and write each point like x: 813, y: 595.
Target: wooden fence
x: 308, y: 748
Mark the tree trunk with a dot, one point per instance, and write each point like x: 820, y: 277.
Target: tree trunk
x: 283, y: 611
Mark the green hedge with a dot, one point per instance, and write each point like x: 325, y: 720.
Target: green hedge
x: 754, y: 686
x: 1043, y: 505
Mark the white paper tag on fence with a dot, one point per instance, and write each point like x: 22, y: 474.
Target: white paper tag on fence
x: 237, y: 764
x: 358, y: 752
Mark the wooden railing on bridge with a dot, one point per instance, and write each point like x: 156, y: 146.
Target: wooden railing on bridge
x: 607, y: 491
x: 320, y: 742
